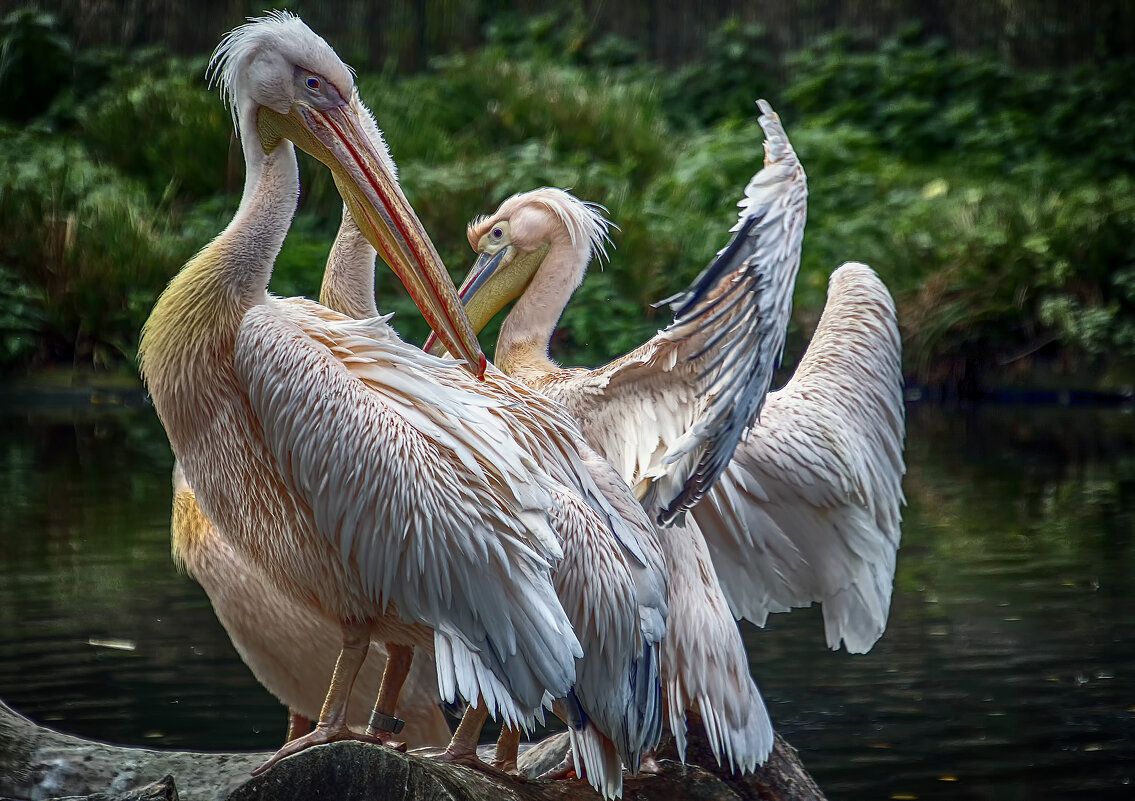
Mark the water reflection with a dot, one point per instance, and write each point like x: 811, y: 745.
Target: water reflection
x: 1006, y: 670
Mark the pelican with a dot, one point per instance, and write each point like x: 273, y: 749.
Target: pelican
x: 806, y: 510
x: 593, y: 710
x: 603, y: 736
x: 610, y: 723
x: 289, y: 649
x: 385, y: 489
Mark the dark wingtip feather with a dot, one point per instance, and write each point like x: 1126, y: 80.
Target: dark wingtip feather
x: 746, y: 319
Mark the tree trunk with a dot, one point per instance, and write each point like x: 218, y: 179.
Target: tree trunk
x: 38, y: 763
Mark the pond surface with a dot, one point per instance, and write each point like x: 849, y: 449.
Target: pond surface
x: 1007, y: 670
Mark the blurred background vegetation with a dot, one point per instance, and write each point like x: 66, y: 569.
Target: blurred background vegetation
x: 979, y: 156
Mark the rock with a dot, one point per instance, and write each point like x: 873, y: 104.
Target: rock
x: 163, y: 790
x: 38, y: 763
x: 543, y: 756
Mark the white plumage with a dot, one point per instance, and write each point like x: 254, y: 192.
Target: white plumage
x: 289, y: 649
x: 378, y: 486
x: 806, y: 509
x: 810, y: 508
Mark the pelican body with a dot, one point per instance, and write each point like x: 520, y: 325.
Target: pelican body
x: 807, y: 507
x: 255, y: 394
x: 614, y: 710
x: 289, y: 649
x: 395, y: 493
x: 599, y: 580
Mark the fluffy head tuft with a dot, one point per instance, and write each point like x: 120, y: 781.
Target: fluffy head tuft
x: 257, y: 61
x: 584, y: 221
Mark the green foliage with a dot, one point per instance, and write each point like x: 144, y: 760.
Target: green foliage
x: 925, y: 102
x: 601, y: 323
x: 993, y: 201
x: 83, y: 252
x: 162, y: 127
x: 999, y: 259
x: 725, y: 82
x: 35, y: 62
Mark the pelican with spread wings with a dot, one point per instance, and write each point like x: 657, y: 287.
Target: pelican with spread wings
x: 806, y: 509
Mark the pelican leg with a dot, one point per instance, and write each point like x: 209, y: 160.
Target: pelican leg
x: 298, y: 726
x: 462, y: 749
x: 508, y: 745
x: 332, y: 724
x: 398, y: 661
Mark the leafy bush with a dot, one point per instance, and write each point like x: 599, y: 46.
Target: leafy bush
x: 35, y: 60
x: 993, y: 201
x: 926, y: 102
x: 85, y: 253
x: 725, y: 83
x: 163, y: 128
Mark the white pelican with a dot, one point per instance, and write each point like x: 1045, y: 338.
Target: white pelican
x: 292, y: 651
x: 289, y: 649
x: 808, y: 508
x: 610, y: 723
x: 385, y: 489
x: 597, y: 706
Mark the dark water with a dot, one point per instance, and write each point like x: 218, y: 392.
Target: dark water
x: 1007, y: 670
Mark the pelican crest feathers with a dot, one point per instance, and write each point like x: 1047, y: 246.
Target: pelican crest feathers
x: 584, y: 221
x: 281, y: 33
x: 278, y: 32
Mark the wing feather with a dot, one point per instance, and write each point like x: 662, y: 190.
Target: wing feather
x: 696, y: 387
x: 423, y: 491
x: 705, y: 665
x: 742, y: 301
x: 809, y: 510
x: 618, y: 607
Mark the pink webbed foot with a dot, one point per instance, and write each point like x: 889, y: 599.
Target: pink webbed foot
x: 471, y: 760
x: 320, y: 736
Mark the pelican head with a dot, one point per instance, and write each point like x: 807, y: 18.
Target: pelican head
x: 512, y: 243
x: 282, y: 81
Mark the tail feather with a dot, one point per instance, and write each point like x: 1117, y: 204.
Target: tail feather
x: 597, y: 760
x: 704, y: 662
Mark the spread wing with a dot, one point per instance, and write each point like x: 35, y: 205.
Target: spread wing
x: 417, y: 481
x: 676, y: 407
x: 809, y: 509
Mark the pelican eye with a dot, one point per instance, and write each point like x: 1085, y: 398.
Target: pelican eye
x: 312, y: 82
x: 497, y: 233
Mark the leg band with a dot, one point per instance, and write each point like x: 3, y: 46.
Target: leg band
x: 383, y: 722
